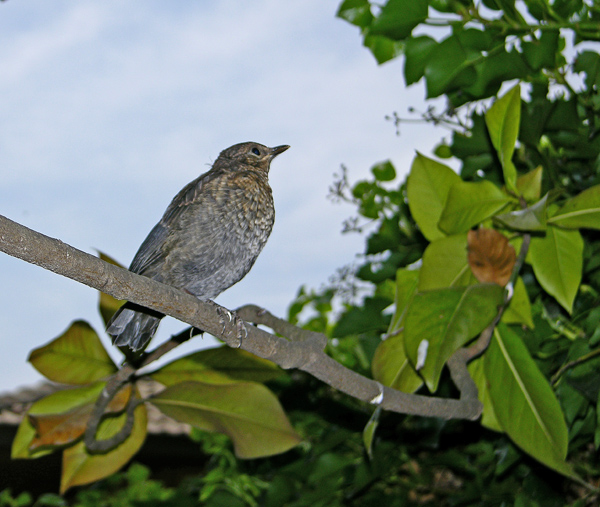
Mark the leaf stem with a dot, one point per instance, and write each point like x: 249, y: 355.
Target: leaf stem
x: 572, y: 364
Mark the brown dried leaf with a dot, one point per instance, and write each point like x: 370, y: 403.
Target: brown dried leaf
x: 59, y: 429
x: 491, y: 257
x: 66, y: 427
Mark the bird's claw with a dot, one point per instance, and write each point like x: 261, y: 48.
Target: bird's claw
x: 222, y: 311
x: 241, y: 330
x: 240, y: 325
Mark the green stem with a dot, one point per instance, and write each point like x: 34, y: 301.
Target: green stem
x: 572, y: 364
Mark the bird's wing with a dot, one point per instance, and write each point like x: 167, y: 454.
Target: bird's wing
x: 149, y: 257
x: 188, y: 195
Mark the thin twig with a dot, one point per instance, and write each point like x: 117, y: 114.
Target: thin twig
x: 113, y: 386
x: 572, y: 364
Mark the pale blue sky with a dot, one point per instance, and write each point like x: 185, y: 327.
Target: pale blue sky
x: 108, y: 108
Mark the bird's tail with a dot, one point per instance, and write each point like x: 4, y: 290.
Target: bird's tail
x: 133, y: 325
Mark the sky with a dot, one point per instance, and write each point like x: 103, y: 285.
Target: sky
x: 107, y: 109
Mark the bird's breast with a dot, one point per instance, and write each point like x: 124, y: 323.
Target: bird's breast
x: 246, y: 204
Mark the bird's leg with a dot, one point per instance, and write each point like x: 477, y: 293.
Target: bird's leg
x: 240, y: 325
x: 221, y: 312
x: 241, y: 329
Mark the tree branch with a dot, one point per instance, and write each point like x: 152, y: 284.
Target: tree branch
x: 302, y: 349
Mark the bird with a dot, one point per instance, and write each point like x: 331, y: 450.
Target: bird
x: 208, y: 238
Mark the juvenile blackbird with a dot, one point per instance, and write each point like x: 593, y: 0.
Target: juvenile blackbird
x: 208, y: 238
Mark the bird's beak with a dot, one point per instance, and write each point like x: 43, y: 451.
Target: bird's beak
x: 277, y: 150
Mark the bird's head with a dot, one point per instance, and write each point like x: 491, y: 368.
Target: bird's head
x: 253, y: 154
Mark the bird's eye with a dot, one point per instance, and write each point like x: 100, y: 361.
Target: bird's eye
x: 255, y: 151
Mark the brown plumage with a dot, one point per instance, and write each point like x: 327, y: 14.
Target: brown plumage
x: 208, y: 238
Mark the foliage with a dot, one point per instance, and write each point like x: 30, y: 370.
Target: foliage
x: 509, y: 244
x: 215, y: 389
x: 415, y: 461
x: 530, y: 166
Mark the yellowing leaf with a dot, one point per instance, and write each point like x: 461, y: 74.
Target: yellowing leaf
x: 247, y: 412
x: 55, y: 403
x: 75, y: 357
x: 218, y: 365
x: 80, y: 467
x: 108, y: 305
x: 491, y: 257
x: 66, y: 427
x: 59, y: 429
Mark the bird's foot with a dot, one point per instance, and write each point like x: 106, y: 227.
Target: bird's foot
x: 226, y: 317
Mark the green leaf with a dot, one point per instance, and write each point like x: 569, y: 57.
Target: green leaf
x: 428, y: 185
x: 391, y: 367
x: 398, y: 18
x: 443, y: 151
x: 532, y: 218
x: 469, y: 204
x: 488, y: 416
x: 541, y: 53
x: 495, y: 69
x: 369, y: 431
x: 539, y: 9
x: 448, y: 68
x: 439, y: 322
x: 81, y: 467
x: 75, y: 357
x: 473, y: 38
x: 416, y: 54
x: 443, y: 5
x: 445, y: 264
x: 108, y: 305
x: 557, y: 261
x: 55, y: 403
x: 356, y: 320
x: 217, y: 366
x: 529, y: 185
x: 524, y: 402
x: 597, y: 432
x: 357, y: 12
x: 492, y: 4
x: 511, y: 12
x: 476, y: 145
x: 384, y: 171
x: 583, y: 211
x: 248, y: 413
x: 503, y: 120
x: 519, y: 308
x: 589, y: 62
x: 406, y: 288
x: 383, y: 48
